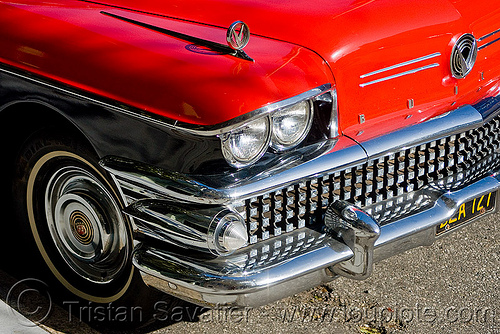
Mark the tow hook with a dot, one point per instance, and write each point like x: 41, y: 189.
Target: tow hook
x: 359, y: 231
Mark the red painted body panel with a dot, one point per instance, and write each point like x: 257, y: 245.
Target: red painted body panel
x: 291, y: 44
x: 358, y: 37
x: 77, y: 45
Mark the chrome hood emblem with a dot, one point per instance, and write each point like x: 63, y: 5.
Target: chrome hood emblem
x: 238, y: 35
x: 463, y: 56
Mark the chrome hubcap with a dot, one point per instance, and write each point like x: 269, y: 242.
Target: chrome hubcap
x: 86, y: 224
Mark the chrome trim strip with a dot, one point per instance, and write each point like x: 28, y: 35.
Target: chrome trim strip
x: 227, y: 281
x: 488, y: 44
x: 480, y: 39
x: 173, y: 187
x: 413, y: 61
x: 488, y: 35
x: 184, y: 226
x: 212, y: 191
x: 201, y: 130
x: 151, y: 184
x: 399, y: 75
x: 462, y: 119
x: 238, y: 121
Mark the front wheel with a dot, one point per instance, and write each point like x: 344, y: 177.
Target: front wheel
x: 74, y: 216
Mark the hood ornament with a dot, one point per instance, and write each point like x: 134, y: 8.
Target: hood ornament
x: 238, y: 35
x: 463, y: 56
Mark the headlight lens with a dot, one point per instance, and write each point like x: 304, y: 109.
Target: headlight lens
x: 246, y: 144
x: 282, y: 126
x: 291, y: 125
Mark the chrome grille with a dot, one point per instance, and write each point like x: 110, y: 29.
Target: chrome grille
x: 386, y: 187
x: 281, y: 249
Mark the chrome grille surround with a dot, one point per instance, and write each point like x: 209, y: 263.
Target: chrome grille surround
x: 386, y: 187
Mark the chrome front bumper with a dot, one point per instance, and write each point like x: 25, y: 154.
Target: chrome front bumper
x: 236, y: 281
x: 304, y: 257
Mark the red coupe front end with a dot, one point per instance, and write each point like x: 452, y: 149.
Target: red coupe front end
x: 237, y: 152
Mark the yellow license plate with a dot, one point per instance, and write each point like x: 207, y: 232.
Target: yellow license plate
x: 468, y: 211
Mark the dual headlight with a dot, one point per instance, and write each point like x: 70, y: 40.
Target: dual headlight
x: 281, y: 129
x: 291, y: 125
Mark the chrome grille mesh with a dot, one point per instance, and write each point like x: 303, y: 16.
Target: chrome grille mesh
x: 385, y: 187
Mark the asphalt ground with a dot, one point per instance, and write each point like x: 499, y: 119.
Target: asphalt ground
x: 449, y: 287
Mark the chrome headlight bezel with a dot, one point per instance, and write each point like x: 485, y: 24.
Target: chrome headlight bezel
x: 269, y: 113
x: 333, y: 126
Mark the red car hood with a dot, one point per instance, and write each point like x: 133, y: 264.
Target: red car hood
x: 390, y: 59
x: 321, y: 25
x: 359, y: 37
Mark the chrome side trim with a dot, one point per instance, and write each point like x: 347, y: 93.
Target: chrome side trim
x: 409, y: 62
x: 151, y: 183
x: 488, y: 44
x: 423, y: 68
x: 200, y: 130
x: 172, y: 186
x: 154, y: 183
x: 482, y: 38
x: 184, y: 226
x: 488, y: 35
x: 244, y: 280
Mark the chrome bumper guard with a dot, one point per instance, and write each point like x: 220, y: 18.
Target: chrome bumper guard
x: 295, y: 262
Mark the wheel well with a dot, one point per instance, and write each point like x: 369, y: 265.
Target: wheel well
x: 20, y: 120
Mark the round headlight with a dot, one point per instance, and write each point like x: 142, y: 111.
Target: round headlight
x: 230, y: 234
x: 291, y: 125
x: 247, y: 144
